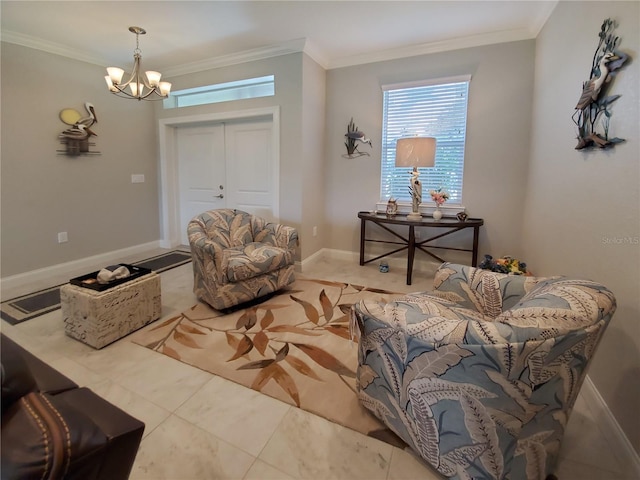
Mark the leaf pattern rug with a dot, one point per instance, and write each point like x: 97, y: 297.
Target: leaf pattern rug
x: 294, y: 346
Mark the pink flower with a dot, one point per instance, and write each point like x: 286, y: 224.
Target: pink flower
x: 439, y: 196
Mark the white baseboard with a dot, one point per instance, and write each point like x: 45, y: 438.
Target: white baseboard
x: 69, y: 269
x: 328, y: 253
x: 399, y: 262
x: 610, y: 428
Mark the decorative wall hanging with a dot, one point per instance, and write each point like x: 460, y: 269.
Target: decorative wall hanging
x: 353, y: 136
x: 592, y: 110
x: 76, y: 138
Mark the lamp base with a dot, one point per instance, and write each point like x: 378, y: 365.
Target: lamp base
x: 414, y: 216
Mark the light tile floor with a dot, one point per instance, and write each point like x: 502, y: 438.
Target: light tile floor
x: 199, y: 426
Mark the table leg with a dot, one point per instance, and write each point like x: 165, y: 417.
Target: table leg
x: 363, y: 223
x: 474, y: 260
x: 411, y: 253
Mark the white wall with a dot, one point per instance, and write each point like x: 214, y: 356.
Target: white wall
x: 582, y: 210
x: 497, y: 148
x: 300, y: 96
x: 288, y: 79
x: 90, y: 198
x: 312, y: 155
x: 309, y: 185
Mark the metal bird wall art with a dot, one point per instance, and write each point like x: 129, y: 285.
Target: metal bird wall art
x: 76, y: 138
x: 593, y: 108
x: 354, y: 136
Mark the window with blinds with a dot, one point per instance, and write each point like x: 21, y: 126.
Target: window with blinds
x: 437, y: 109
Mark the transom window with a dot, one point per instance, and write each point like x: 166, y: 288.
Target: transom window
x: 436, y: 108
x: 222, y: 92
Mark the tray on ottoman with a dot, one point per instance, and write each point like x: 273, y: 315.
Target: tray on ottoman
x: 99, y: 318
x: 90, y: 279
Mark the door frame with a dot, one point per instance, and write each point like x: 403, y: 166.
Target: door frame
x: 169, y: 189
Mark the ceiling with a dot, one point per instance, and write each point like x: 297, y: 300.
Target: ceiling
x: 188, y: 36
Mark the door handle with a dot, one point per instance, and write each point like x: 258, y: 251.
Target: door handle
x: 219, y: 196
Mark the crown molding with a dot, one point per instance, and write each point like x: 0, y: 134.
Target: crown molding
x: 434, y: 47
x: 301, y: 45
x: 316, y: 54
x: 284, y: 48
x: 51, y: 47
x: 451, y: 44
x: 543, y: 17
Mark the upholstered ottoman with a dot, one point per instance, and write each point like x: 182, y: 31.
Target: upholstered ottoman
x: 99, y: 318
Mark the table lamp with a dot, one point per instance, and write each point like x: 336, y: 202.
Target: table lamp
x: 415, y: 152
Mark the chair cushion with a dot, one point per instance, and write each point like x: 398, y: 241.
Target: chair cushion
x: 253, y: 259
x: 227, y: 227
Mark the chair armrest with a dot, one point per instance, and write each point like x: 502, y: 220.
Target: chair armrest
x: 282, y: 236
x: 205, y: 252
x: 484, y: 291
x: 287, y: 237
x: 23, y: 372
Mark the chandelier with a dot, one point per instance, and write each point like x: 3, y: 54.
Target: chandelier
x: 137, y: 83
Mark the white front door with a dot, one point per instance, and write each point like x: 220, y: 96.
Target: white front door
x: 226, y: 165
x: 201, y: 172
x: 251, y: 169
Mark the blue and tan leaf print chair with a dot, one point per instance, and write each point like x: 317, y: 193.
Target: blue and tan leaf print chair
x: 238, y: 257
x: 479, y: 376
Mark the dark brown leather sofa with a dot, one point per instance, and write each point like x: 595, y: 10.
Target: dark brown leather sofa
x: 53, y: 429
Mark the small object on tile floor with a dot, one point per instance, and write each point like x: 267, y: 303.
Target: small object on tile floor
x: 384, y: 267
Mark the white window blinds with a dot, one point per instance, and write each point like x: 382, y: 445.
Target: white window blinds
x: 426, y: 109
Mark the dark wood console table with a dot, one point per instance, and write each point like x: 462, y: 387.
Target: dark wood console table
x: 410, y: 244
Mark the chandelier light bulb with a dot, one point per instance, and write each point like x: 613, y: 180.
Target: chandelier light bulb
x: 115, y: 74
x: 136, y: 89
x: 153, y: 77
x: 165, y: 88
x: 112, y: 88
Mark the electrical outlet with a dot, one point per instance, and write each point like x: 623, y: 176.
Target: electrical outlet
x: 315, y: 231
x: 137, y: 178
x: 63, y: 237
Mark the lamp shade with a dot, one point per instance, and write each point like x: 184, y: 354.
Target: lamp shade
x: 415, y: 152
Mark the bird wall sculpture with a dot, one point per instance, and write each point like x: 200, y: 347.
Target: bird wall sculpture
x: 591, y: 89
x: 76, y: 138
x: 593, y: 107
x: 354, y: 136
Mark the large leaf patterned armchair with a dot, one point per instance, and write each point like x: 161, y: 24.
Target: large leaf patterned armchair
x: 238, y: 257
x: 480, y: 376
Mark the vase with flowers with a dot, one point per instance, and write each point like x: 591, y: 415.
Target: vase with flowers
x: 439, y: 196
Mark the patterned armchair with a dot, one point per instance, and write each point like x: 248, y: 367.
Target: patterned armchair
x: 238, y: 257
x: 480, y: 376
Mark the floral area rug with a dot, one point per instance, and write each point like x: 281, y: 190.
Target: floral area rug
x: 294, y: 346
